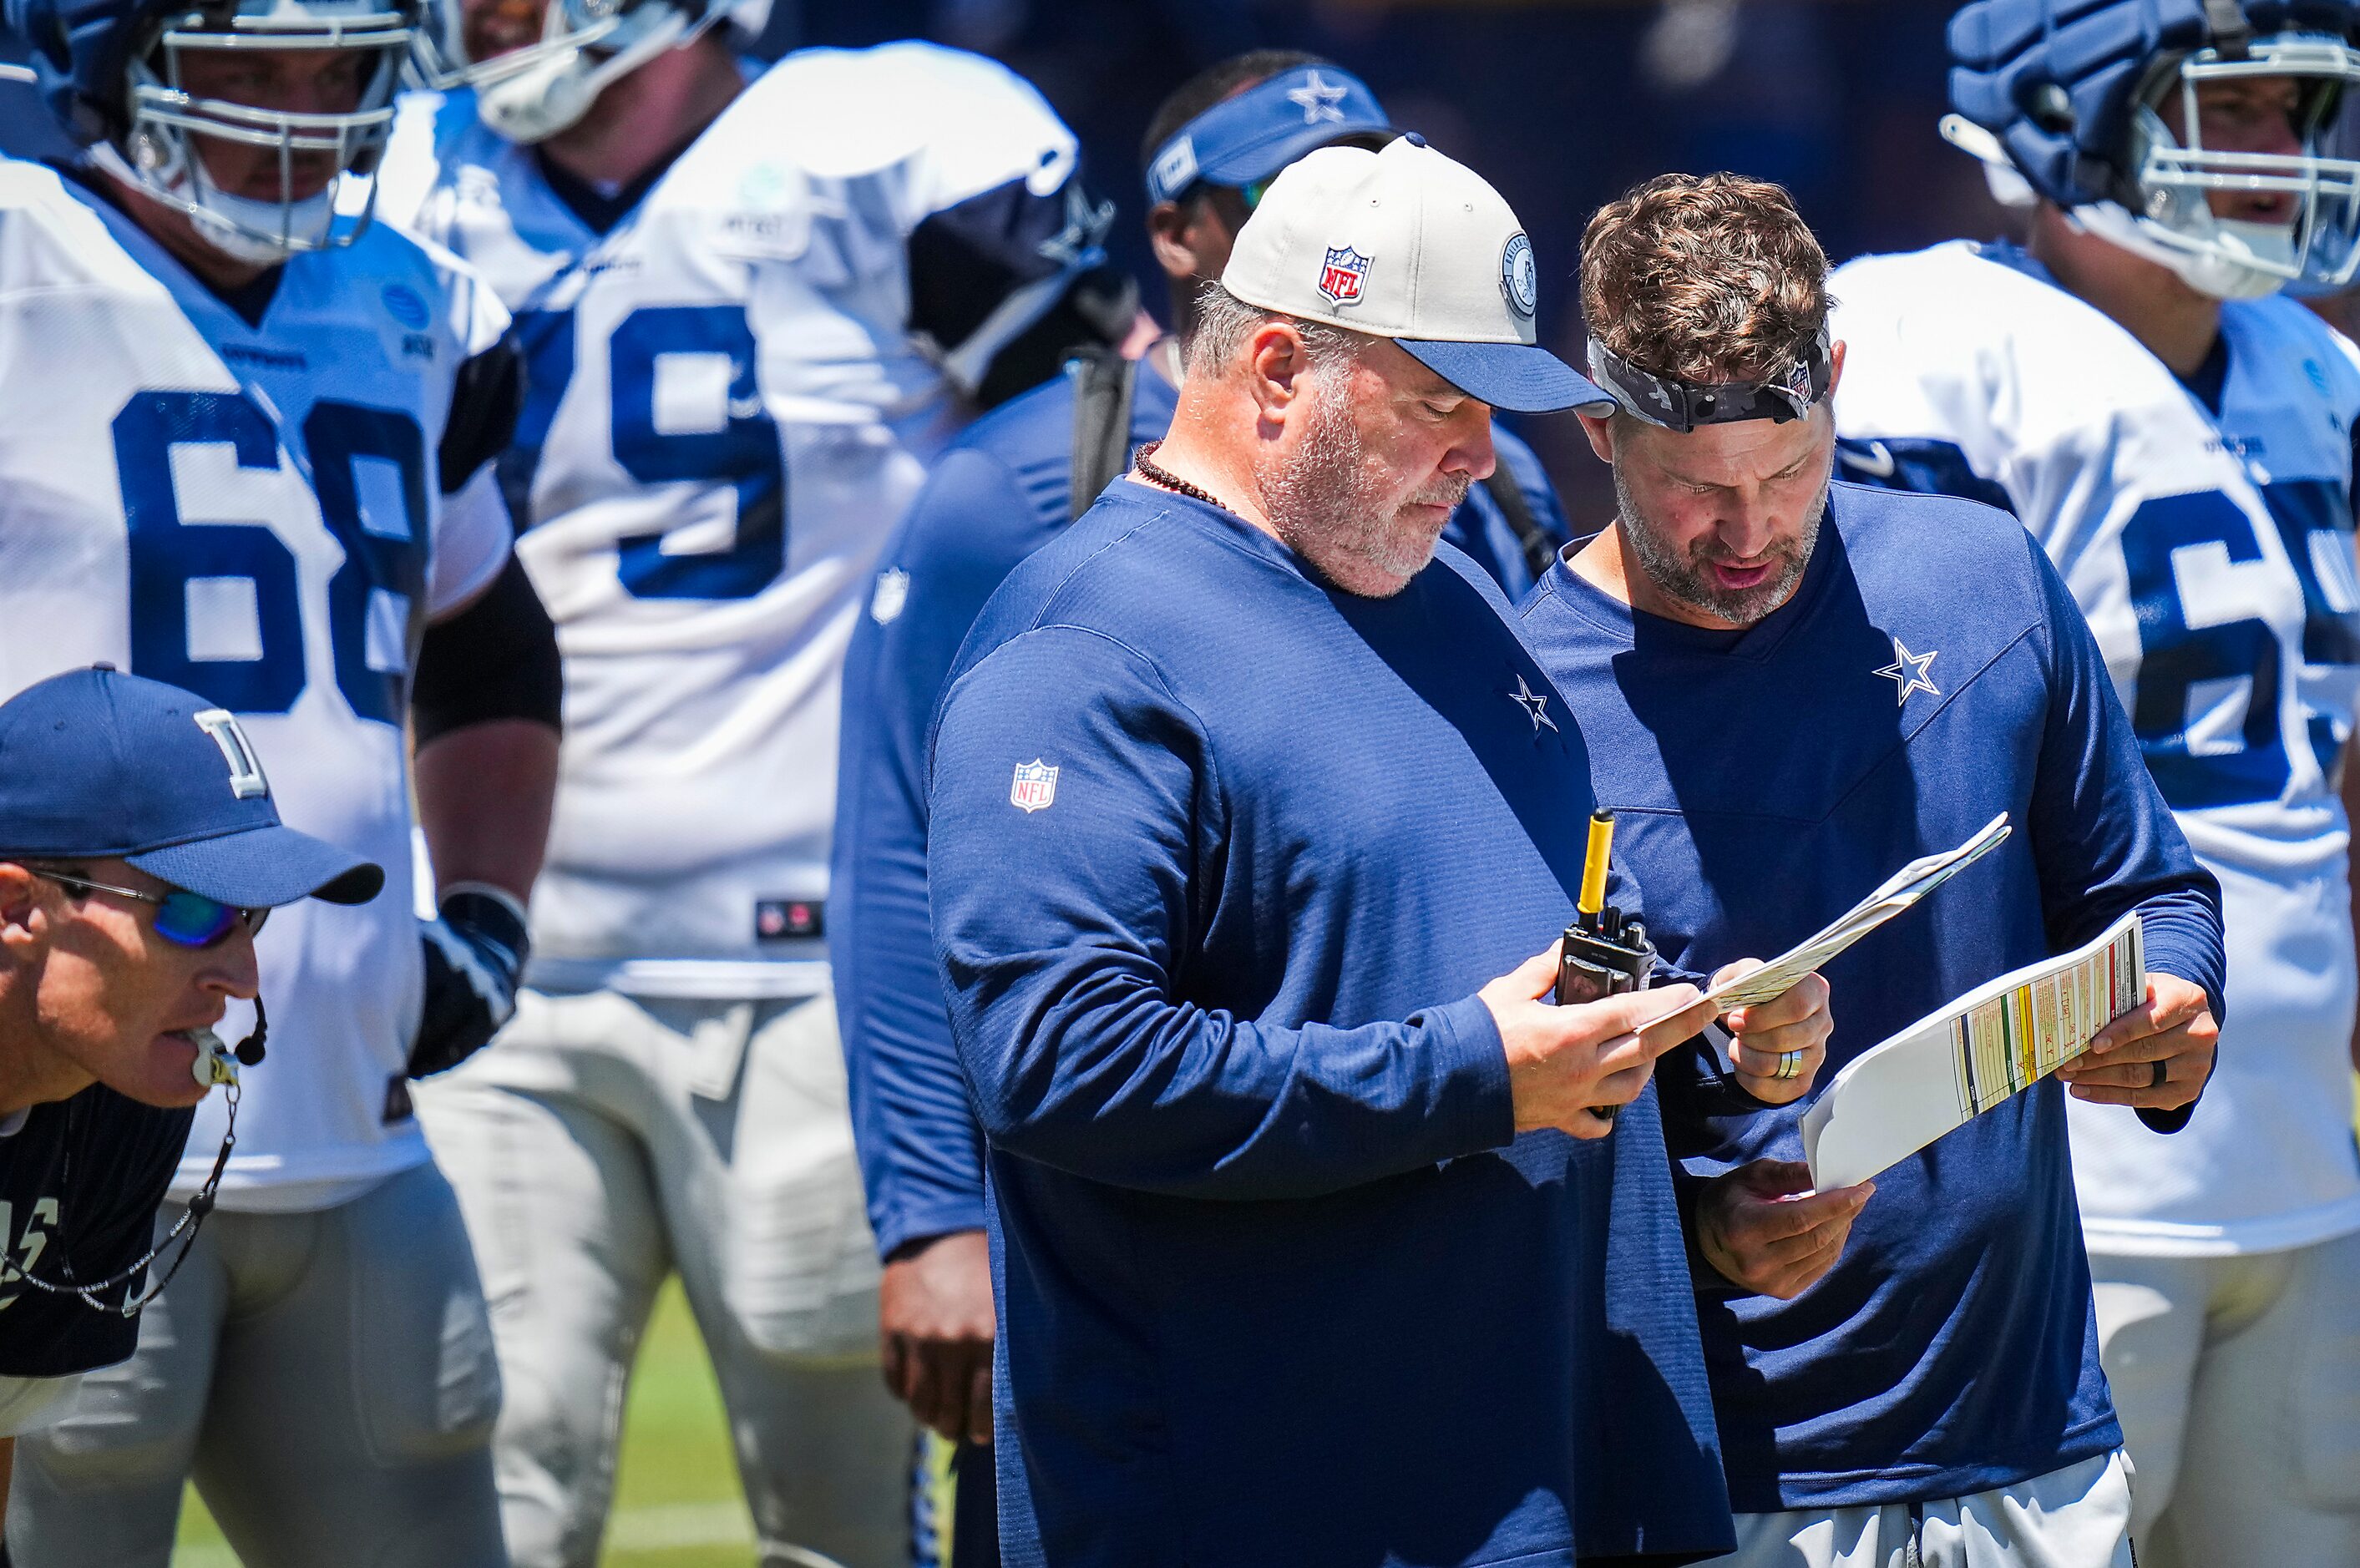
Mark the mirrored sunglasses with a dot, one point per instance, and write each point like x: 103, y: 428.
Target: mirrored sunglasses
x: 182, y: 919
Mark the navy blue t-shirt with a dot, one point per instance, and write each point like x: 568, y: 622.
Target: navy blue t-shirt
x: 1000, y: 493
x: 80, y: 1184
x: 1764, y: 781
x: 1219, y: 858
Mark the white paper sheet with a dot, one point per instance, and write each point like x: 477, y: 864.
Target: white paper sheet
x: 1900, y: 890
x: 1992, y: 1044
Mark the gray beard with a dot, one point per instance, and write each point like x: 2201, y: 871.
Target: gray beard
x: 1325, y: 503
x: 1685, y: 581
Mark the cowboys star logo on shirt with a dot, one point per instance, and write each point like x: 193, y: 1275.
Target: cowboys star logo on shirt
x: 1036, y: 787
x: 1908, y: 671
x: 1534, y: 703
x: 1342, y: 275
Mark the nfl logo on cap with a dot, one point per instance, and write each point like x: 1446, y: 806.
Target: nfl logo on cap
x: 1341, y: 277
x: 1035, y: 786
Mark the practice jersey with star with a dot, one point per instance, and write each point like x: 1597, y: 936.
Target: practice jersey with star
x: 267, y: 512
x: 2205, y: 528
x: 1929, y: 672
x: 1002, y: 490
x: 737, y: 374
x: 1219, y: 858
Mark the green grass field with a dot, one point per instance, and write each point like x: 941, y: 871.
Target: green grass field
x: 677, y: 1503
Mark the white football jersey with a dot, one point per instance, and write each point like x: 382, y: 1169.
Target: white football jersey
x: 2213, y: 557
x: 728, y: 410
x: 254, y: 513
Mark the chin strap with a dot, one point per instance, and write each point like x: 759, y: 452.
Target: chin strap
x: 537, y: 103
x: 234, y: 225
x: 2213, y: 275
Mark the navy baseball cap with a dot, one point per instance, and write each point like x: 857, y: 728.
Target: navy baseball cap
x: 97, y: 765
x: 1255, y: 134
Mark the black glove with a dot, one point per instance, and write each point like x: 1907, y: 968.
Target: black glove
x: 474, y: 961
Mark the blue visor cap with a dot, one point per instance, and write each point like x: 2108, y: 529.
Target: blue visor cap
x: 1519, y: 377
x: 97, y: 765
x: 1252, y: 136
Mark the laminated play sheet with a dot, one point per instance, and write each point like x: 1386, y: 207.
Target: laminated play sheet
x: 1992, y: 1044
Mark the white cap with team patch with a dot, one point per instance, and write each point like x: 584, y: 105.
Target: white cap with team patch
x: 1409, y: 244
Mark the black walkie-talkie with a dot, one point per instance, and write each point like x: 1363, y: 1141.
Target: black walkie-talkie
x: 1606, y: 955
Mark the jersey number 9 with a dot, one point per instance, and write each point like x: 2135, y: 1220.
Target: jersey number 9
x: 742, y: 452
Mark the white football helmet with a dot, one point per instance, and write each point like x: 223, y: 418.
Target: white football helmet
x: 2069, y: 100
x: 532, y: 93
x: 158, y: 149
x: 2227, y: 257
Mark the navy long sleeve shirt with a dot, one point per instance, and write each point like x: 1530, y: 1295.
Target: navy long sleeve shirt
x: 998, y: 494
x: 1278, y: 1282
x: 1930, y: 671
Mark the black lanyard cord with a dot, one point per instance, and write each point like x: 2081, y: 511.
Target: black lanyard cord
x: 191, y: 1220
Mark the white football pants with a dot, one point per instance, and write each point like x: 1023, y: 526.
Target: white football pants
x: 326, y: 1376
x: 2074, y: 1518
x: 603, y: 1141
x: 2238, y: 1384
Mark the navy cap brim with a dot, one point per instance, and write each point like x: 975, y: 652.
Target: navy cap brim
x: 1260, y: 160
x: 1519, y: 377
x: 263, y: 869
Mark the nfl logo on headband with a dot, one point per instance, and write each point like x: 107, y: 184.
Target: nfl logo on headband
x: 1341, y: 277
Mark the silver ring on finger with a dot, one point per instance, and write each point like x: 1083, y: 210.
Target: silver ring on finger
x: 1790, y: 1064
x: 2155, y: 1078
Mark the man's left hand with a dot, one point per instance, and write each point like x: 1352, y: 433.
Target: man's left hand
x: 1778, y: 1047
x: 1763, y: 1230
x: 935, y: 1317
x: 2156, y: 1057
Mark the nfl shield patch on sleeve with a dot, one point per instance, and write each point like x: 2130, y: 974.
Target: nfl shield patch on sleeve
x: 1035, y: 786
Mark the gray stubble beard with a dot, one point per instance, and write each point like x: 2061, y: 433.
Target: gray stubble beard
x: 1324, y: 504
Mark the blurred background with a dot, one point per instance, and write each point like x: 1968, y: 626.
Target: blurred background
x: 1560, y: 104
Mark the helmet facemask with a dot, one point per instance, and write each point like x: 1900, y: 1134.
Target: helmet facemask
x: 530, y: 93
x: 2166, y: 213
x: 444, y: 61
x: 324, y: 159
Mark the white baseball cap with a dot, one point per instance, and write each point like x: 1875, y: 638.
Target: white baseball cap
x: 1409, y: 244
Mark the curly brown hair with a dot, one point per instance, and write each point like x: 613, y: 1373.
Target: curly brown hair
x: 1710, y: 277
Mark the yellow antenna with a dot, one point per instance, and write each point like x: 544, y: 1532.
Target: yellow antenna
x: 1593, y: 866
